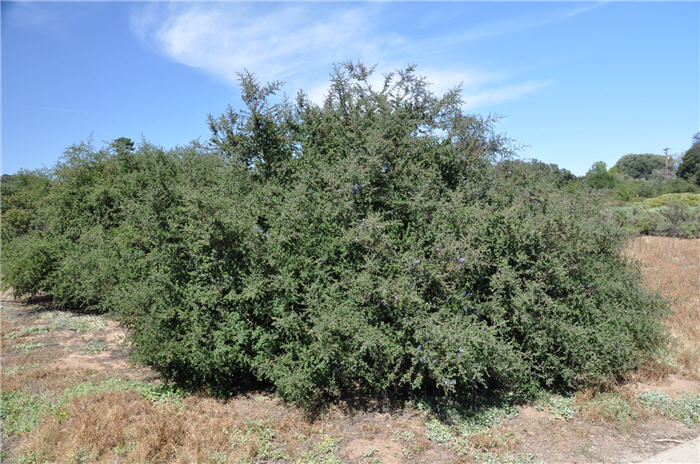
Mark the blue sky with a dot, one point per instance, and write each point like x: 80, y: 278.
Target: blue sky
x: 574, y: 82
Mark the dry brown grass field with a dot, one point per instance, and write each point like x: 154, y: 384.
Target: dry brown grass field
x: 672, y: 267
x: 70, y: 396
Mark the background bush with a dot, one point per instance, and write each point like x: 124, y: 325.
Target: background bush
x: 644, y: 166
x: 673, y: 218
x: 687, y: 199
x: 380, y: 244
x: 689, y: 167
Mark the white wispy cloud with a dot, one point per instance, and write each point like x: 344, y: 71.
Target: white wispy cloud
x: 274, y: 42
x: 298, y: 42
x: 500, y: 94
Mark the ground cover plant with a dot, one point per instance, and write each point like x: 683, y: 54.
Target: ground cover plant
x: 379, y: 245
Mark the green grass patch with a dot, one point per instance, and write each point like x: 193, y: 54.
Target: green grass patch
x: 39, y: 329
x: 68, y: 321
x: 14, y: 369
x: 610, y: 407
x: 27, y: 347
x: 561, y: 407
x: 492, y: 458
x: 21, y: 411
x: 685, y: 409
x: 456, y: 425
x: 266, y: 448
x: 158, y: 393
x: 26, y: 458
x: 94, y: 348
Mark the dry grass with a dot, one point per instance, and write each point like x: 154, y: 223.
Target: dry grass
x: 671, y: 266
x: 611, y: 408
x: 117, y: 427
x: 40, y: 378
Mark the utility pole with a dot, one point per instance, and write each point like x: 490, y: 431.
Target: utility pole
x: 666, y: 151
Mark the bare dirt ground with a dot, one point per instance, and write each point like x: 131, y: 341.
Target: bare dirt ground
x: 70, y: 395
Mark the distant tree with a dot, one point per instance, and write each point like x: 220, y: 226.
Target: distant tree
x: 689, y: 168
x: 642, y: 166
x: 123, y: 150
x: 559, y: 177
x: 122, y: 145
x: 599, y: 177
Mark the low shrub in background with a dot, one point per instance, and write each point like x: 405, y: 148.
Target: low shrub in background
x: 669, y: 215
x: 379, y: 244
x: 671, y: 199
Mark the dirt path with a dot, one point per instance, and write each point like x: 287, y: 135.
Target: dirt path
x: 688, y: 452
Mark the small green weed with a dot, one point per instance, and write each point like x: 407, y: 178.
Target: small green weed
x: 404, y: 436
x: 34, y: 330
x: 158, y: 393
x: 94, y: 348
x: 322, y: 452
x: 369, y: 453
x: 217, y: 457
x: 484, y: 419
x: 328, y: 459
x: 269, y: 451
x: 80, y: 324
x: 14, y: 369
x: 83, y: 456
x: 584, y: 451
x: 326, y: 444
x: 492, y: 458
x: 123, y: 450
x: 21, y: 411
x: 561, y: 407
x: 610, y: 407
x: 460, y: 424
x: 26, y: 458
x: 27, y: 347
x: 439, y: 432
x: 686, y: 409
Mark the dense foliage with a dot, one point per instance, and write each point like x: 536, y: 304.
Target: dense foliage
x: 379, y: 244
x: 21, y: 194
x: 689, y: 168
x: 643, y: 166
x: 673, y: 215
x: 621, y: 187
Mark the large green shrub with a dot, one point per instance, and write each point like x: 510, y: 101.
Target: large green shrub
x: 368, y: 246
x: 689, y: 168
x: 643, y: 166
